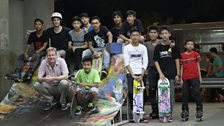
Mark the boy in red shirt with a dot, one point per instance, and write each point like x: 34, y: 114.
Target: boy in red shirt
x: 191, y: 76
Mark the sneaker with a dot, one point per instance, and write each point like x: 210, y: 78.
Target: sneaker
x: 64, y: 107
x: 27, y: 76
x: 78, y: 110
x: 170, y: 119
x: 154, y: 115
x: 144, y: 120
x: 49, y: 105
x: 92, y: 108
x: 103, y: 74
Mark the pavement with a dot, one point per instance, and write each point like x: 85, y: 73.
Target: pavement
x: 213, y: 116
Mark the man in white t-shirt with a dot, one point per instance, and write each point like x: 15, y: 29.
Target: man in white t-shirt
x: 136, y: 62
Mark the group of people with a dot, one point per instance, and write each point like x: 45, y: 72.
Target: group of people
x: 70, y: 50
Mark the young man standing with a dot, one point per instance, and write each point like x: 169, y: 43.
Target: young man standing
x: 52, y: 80
x: 40, y: 42
x: 117, y: 17
x: 136, y: 62
x: 97, y: 40
x: 131, y: 22
x: 58, y: 35
x: 85, y: 21
x: 167, y: 63
x: 88, y: 80
x: 77, y: 46
x: 153, y: 75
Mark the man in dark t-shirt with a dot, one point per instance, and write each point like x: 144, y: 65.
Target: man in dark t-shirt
x: 167, y: 63
x: 40, y: 42
x: 58, y: 35
x: 97, y: 40
x: 127, y: 26
x: 117, y: 17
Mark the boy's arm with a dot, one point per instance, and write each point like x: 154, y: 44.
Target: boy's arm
x: 177, y: 61
x: 110, y: 37
x: 128, y: 67
x: 125, y: 39
x: 26, y: 51
x: 217, y: 69
x: 199, y: 71
x: 70, y: 45
x: 90, y: 84
x: 161, y: 75
x: 181, y: 74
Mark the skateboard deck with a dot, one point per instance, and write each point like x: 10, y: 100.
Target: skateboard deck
x: 164, y: 100
x: 138, y: 88
x: 97, y: 64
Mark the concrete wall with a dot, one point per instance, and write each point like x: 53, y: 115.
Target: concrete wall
x: 16, y: 16
x: 4, y: 44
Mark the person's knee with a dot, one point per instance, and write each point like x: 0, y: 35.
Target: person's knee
x: 37, y: 85
x: 119, y: 40
x: 64, y: 84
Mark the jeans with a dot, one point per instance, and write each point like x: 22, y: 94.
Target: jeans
x: 61, y: 53
x: 195, y: 83
x: 130, y: 94
x: 74, y: 59
x: 35, y: 62
x: 153, y: 77
x: 49, y: 91
x: 106, y: 56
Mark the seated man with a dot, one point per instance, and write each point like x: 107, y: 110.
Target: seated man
x: 88, y: 81
x: 97, y: 40
x: 52, y: 80
x: 39, y: 40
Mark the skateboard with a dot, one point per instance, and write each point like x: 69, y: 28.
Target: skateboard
x: 164, y: 100
x: 138, y: 90
x: 98, y: 63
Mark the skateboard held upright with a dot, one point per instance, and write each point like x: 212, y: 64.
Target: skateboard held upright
x: 164, y: 100
x: 138, y: 112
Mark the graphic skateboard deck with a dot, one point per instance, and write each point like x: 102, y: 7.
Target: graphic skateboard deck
x: 164, y: 100
x: 98, y: 63
x: 138, y: 94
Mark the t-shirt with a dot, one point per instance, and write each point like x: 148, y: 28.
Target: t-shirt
x: 89, y: 29
x: 99, y: 39
x: 115, y: 31
x: 136, y: 57
x: 91, y: 77
x: 77, y: 38
x: 126, y: 28
x: 150, y: 49
x: 59, y: 69
x: 38, y: 42
x: 216, y: 62
x: 190, y: 67
x: 59, y: 40
x: 167, y: 59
